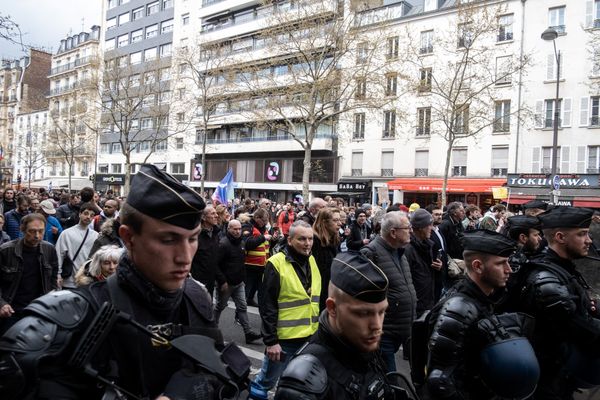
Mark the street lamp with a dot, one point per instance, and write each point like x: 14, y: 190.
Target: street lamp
x: 552, y: 34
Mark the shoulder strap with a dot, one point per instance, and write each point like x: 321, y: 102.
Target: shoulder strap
x: 87, y: 230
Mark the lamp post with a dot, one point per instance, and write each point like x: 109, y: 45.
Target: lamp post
x: 552, y: 34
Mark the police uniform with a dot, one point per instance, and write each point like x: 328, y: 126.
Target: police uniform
x: 567, y: 328
x: 328, y: 367
x: 473, y: 353
x: 71, y: 340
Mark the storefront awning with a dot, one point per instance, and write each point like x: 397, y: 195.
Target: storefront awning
x: 455, y: 185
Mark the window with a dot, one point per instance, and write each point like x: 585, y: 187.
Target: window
x: 149, y: 78
x: 387, y: 163
x: 137, y: 36
x: 111, y: 3
x: 465, y: 35
x: 180, y: 116
x: 178, y: 168
x: 166, y: 26
x: 357, y: 162
x: 389, y: 124
x: 152, y: 8
x: 143, y: 146
x: 150, y: 54
x: 391, y: 84
x: 502, y: 116
x: 546, y: 162
x: 392, y: 47
x: 424, y: 121
x: 180, y: 93
x: 115, y: 148
x: 164, y: 74
x: 505, y: 28
x: 149, y: 100
x: 459, y: 162
x: 556, y: 19
x: 123, y: 18
x: 115, y: 168
x: 461, y: 119
x: 164, y: 97
x: 361, y: 88
x: 503, y: 70
x: 551, y: 66
x: 593, y: 166
x: 135, y: 124
x: 147, y: 123
x: 165, y: 50
x: 564, y: 113
x: 111, y: 23
x: 109, y: 44
x: 499, y: 161
x: 595, y: 103
x: 424, y: 80
x: 593, y: 15
x: 179, y: 145
x: 105, y: 148
x: 135, y: 58
x: 426, y: 42
x: 161, y: 145
x: 167, y: 4
x: 185, y: 19
x: 137, y: 13
x: 421, y: 162
x: 151, y: 31
x: 362, y: 52
x: 123, y: 40
x: 123, y: 61
x: 359, y: 126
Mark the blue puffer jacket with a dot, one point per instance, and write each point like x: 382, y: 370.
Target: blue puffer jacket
x: 12, y: 223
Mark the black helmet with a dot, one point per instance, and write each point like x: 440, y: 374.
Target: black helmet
x: 510, y: 368
x: 584, y: 368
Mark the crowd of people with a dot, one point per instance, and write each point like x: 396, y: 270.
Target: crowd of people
x: 484, y: 304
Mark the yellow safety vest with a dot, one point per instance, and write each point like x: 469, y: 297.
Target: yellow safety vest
x: 298, y: 315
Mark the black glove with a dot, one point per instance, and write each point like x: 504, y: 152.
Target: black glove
x: 189, y: 385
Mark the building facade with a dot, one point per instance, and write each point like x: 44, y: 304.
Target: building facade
x: 31, y: 138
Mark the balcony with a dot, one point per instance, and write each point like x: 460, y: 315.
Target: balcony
x: 68, y: 88
x: 499, y: 172
x: 356, y: 172
x: 425, y: 131
x: 387, y: 172
x: 421, y: 171
x: 501, y: 127
x: 76, y: 152
x: 459, y: 170
x: 595, y: 121
x: 67, y: 67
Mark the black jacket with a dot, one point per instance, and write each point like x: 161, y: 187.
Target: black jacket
x: 67, y: 215
x: 324, y: 256
x: 452, y: 233
x: 419, y: 254
x: 402, y: 298
x: 11, y: 268
x: 230, y: 261
x: 109, y: 234
x: 204, y: 264
x: 355, y: 240
x: 269, y: 293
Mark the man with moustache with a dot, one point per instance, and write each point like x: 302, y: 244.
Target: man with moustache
x: 151, y: 287
x: 567, y: 329
x: 464, y: 326
x: 289, y: 306
x: 341, y: 360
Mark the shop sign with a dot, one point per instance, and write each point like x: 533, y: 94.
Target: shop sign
x: 572, y: 181
x: 352, y: 186
x: 110, y: 179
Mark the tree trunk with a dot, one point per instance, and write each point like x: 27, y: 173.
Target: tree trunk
x: 126, y: 184
x: 446, y: 171
x: 70, y: 166
x: 306, y: 171
x: 203, y: 160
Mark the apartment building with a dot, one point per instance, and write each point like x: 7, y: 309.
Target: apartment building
x: 23, y: 86
x: 404, y: 147
x: 31, y: 140
x: 256, y: 67
x: 73, y: 101
x: 137, y: 43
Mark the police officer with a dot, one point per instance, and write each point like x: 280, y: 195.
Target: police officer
x: 474, y: 354
x: 342, y: 360
x: 57, y: 350
x: 567, y: 328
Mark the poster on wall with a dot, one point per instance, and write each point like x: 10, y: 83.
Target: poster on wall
x: 273, y: 171
x: 196, y: 171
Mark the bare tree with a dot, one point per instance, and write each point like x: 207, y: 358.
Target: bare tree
x: 323, y: 67
x: 29, y: 154
x: 201, y: 68
x: 464, y: 76
x: 10, y: 31
x: 136, y: 101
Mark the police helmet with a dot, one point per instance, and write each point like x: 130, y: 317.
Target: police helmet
x: 510, y: 368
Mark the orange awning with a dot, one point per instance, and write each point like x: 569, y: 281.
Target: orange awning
x: 466, y: 185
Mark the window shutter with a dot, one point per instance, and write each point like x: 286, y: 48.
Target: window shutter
x: 422, y: 159
x: 583, y: 111
x: 589, y: 13
x: 535, y: 160
x: 539, y: 113
x: 387, y: 159
x: 565, y: 159
x: 357, y: 160
x: 580, y: 159
x: 566, y: 112
x: 550, y: 75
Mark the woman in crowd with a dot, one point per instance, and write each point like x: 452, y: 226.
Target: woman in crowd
x: 224, y: 217
x: 326, y: 245
x: 101, y: 266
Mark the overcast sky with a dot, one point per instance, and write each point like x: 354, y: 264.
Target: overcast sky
x: 45, y: 22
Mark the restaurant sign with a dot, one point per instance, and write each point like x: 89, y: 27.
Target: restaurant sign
x: 352, y: 186
x: 572, y: 181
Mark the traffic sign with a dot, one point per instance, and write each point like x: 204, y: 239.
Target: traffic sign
x: 556, y: 182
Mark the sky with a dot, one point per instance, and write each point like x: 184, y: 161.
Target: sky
x: 45, y: 22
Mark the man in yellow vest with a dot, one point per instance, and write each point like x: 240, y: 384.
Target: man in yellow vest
x: 289, y: 305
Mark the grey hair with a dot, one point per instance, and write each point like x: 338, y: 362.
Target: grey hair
x: 455, y: 205
x: 296, y: 225
x: 108, y: 252
x: 390, y: 220
x: 315, y: 202
x: 263, y: 201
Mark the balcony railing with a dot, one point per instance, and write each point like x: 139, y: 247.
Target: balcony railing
x: 67, y: 88
x: 387, y: 172
x: 421, y: 171
x: 501, y: 127
x: 596, y: 23
x: 356, y: 172
x: 426, y: 49
x: 209, y: 2
x: 268, y: 138
x: 595, y: 120
x: 71, y: 65
x: 505, y: 36
x: 560, y: 29
x: 549, y: 123
x: 499, y: 172
x: 425, y: 131
x: 459, y: 170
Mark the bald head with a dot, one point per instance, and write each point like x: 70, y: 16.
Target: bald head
x: 315, y: 205
x: 234, y: 228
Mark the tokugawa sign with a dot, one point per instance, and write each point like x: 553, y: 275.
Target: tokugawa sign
x: 566, y: 181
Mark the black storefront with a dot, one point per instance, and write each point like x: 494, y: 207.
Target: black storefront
x: 579, y: 190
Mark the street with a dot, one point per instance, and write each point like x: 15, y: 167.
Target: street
x: 233, y: 332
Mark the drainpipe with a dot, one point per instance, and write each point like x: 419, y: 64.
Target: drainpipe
x: 521, y: 50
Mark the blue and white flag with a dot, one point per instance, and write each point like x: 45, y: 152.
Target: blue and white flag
x: 224, y: 190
